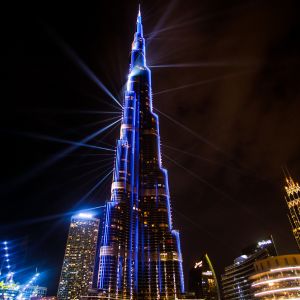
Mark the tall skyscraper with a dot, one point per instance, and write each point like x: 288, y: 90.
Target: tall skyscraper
x: 292, y: 198
x: 140, y: 256
x: 203, y: 283
x: 78, y: 265
x: 235, y: 282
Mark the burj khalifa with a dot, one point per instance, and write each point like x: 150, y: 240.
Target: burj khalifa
x: 140, y: 255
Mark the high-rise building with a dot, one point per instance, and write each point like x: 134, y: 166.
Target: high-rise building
x: 235, y: 282
x: 140, y: 256
x: 78, y: 265
x: 277, y: 277
x: 292, y: 198
x: 203, y: 283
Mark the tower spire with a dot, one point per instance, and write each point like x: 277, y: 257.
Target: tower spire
x: 139, y: 26
x: 138, y: 53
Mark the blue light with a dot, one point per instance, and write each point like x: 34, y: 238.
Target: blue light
x: 126, y: 187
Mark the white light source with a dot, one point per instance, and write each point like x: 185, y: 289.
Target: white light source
x: 276, y: 280
x: 285, y: 269
x: 85, y: 216
x: 198, y: 264
x: 264, y: 243
x: 277, y: 291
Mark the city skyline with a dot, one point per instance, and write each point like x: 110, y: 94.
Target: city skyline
x: 223, y: 161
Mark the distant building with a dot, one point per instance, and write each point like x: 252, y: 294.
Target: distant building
x: 14, y: 291
x: 8, y: 291
x: 277, y: 277
x: 78, y: 265
x: 29, y: 292
x: 292, y: 198
x: 44, y: 298
x: 235, y: 282
x: 203, y: 283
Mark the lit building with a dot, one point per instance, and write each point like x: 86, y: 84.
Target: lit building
x: 203, y: 283
x: 28, y: 292
x: 14, y: 291
x: 292, y: 198
x: 235, y: 281
x: 44, y: 298
x: 140, y: 255
x: 9, y: 289
x: 277, y: 277
x: 78, y: 265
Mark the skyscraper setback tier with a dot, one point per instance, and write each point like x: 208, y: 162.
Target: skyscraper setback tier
x: 140, y: 256
x: 292, y: 198
x: 78, y: 265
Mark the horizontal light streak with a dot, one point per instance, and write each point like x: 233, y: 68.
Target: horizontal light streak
x: 201, y: 64
x: 202, y: 158
x: 192, y: 132
x: 68, y: 142
x: 276, y: 280
x: 277, y: 291
x: 216, y: 189
x: 285, y: 269
x: 199, y: 83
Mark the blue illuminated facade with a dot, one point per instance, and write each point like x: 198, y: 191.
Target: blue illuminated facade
x: 140, y: 256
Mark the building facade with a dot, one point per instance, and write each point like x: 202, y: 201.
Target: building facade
x: 277, y: 277
x: 140, y: 255
x: 235, y: 281
x: 292, y: 197
x: 78, y: 265
x: 29, y: 292
x: 14, y: 291
x: 203, y: 283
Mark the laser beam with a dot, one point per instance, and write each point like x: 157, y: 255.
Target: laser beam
x: 199, y: 83
x: 60, y: 155
x: 76, y: 59
x: 192, y: 132
x: 85, y: 196
x: 204, y: 65
x: 63, y: 141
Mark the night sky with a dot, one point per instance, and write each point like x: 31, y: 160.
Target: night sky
x: 225, y: 78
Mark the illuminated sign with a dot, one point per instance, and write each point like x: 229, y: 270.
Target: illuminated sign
x: 264, y: 243
x: 198, y: 264
x: 207, y: 273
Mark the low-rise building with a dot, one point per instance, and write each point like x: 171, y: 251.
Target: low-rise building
x: 277, y: 277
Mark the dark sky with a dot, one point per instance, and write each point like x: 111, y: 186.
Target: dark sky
x: 230, y: 91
